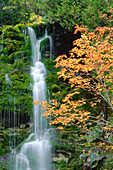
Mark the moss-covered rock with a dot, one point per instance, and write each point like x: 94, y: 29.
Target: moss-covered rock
x: 15, y: 62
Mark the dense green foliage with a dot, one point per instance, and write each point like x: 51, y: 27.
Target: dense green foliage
x: 13, y: 12
x: 69, y: 13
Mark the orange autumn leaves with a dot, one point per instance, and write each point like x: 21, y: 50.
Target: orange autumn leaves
x: 90, y: 63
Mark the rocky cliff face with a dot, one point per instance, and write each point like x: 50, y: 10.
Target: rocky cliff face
x: 63, y: 39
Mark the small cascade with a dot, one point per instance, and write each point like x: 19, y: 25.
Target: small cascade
x: 8, y: 79
x: 24, y: 31
x: 1, y: 46
x: 7, y: 112
x: 36, y: 150
x: 11, y: 116
x: 13, y: 151
x: 51, y: 43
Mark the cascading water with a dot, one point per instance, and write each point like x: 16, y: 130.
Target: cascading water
x: 1, y: 46
x: 36, y: 151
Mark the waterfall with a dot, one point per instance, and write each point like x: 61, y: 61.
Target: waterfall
x: 36, y: 150
x: 35, y: 45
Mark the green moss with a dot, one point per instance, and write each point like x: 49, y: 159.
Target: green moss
x: 20, y: 25
x: 15, y: 59
x: 12, y: 45
x: 7, y: 28
x: 51, y: 78
x: 6, y: 138
x: 1, y: 145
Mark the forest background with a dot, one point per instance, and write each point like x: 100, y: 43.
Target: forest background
x: 82, y: 91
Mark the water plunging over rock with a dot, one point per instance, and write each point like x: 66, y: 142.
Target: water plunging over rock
x: 36, y: 151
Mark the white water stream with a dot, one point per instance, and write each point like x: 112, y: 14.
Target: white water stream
x: 36, y: 151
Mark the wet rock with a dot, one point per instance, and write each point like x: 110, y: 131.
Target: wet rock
x: 27, y: 125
